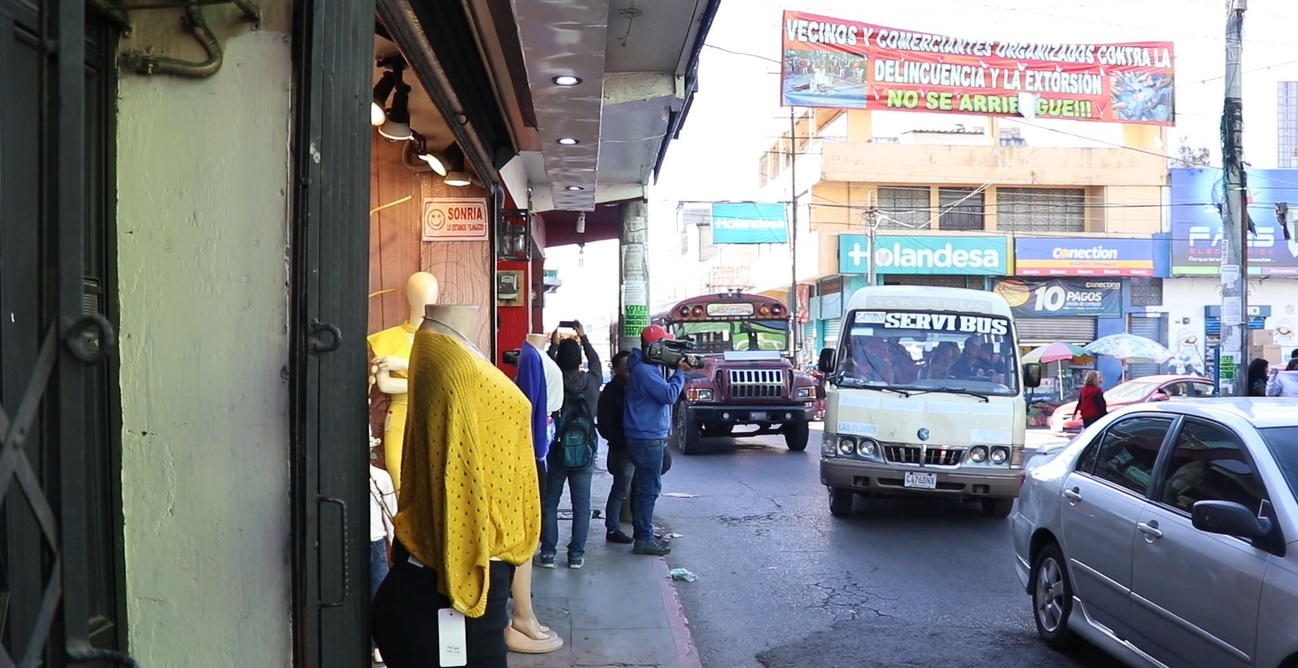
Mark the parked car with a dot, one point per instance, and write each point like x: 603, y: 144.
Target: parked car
x: 1136, y: 391
x: 1166, y: 534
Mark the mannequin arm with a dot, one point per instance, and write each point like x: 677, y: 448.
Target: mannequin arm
x: 382, y: 369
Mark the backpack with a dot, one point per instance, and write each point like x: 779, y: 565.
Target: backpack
x: 574, y: 433
x: 1101, y: 406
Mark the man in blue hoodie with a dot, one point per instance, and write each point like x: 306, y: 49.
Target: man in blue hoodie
x: 646, y: 419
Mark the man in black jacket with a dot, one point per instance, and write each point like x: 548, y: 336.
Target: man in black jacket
x: 609, y: 424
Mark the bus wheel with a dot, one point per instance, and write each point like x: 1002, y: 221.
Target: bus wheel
x: 685, y: 433
x: 840, y: 502
x: 796, y: 435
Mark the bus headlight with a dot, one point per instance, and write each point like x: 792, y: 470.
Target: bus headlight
x: 804, y: 393
x: 846, y: 446
x: 1000, y: 455
x: 978, y: 454
x: 866, y: 448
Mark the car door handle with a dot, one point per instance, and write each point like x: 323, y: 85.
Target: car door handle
x: 1073, y: 495
x: 1150, y: 529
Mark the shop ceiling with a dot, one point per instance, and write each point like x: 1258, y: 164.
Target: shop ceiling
x: 596, y: 141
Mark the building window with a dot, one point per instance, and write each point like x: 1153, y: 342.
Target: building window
x: 961, y: 209
x: 904, y: 208
x: 1146, y: 291
x: 1060, y: 210
x: 1287, y: 119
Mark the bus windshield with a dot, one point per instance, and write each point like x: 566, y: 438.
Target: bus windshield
x: 928, y: 352
x: 715, y: 337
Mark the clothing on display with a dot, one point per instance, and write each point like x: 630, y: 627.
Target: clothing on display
x: 531, y: 380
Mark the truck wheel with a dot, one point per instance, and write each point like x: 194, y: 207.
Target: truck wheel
x: 684, y: 432
x: 840, y: 502
x: 796, y: 435
x: 997, y: 507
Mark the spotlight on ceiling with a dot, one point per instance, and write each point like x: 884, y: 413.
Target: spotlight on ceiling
x: 569, y: 141
x: 574, y: 188
x: 397, y: 125
x: 381, y: 92
x: 458, y: 179
x: 566, y: 80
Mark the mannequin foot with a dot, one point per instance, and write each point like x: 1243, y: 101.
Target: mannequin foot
x: 523, y: 644
x: 531, y: 628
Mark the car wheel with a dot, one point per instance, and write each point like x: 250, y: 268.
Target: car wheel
x: 1052, y: 598
x: 840, y: 502
x: 997, y: 507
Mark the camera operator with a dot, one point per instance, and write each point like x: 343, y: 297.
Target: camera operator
x: 646, y: 420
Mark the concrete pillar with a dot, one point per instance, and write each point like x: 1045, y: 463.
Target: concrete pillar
x: 634, y: 300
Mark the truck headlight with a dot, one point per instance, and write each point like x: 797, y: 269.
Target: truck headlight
x: 846, y: 446
x: 803, y: 393
x: 1000, y: 455
x: 978, y: 454
x: 866, y: 448
x: 699, y: 394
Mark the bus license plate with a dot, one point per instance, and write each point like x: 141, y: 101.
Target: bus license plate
x: 920, y: 480
x: 758, y: 417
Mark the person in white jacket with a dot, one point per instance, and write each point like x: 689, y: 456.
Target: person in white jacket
x: 1282, y: 383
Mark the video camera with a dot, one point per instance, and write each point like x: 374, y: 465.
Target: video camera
x: 670, y: 352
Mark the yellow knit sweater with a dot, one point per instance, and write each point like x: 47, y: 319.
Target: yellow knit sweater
x: 468, y: 478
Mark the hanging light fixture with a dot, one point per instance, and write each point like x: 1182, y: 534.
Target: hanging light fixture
x: 434, y: 159
x: 381, y: 92
x: 397, y: 125
x: 458, y: 179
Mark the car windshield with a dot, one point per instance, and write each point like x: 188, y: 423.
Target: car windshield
x: 925, y: 351
x: 1129, y: 392
x: 721, y: 336
x: 1283, y: 443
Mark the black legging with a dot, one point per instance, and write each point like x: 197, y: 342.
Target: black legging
x: 404, y: 617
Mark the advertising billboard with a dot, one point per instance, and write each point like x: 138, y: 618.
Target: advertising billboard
x: 829, y: 62
x: 1061, y: 298
x: 749, y: 223
x: 1083, y: 257
x: 1196, y: 222
x: 930, y: 255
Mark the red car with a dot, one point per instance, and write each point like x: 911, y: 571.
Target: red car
x: 1136, y: 391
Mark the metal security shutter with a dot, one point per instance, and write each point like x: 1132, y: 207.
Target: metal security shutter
x: 832, y: 328
x: 1039, y: 331
x: 1154, y: 328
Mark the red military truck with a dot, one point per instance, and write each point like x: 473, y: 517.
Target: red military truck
x: 747, y: 378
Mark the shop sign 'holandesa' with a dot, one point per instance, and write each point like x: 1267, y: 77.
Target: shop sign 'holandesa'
x: 934, y: 255
x: 455, y: 219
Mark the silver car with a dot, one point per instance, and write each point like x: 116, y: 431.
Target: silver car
x: 1167, y: 535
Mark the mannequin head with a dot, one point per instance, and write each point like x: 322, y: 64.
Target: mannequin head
x: 538, y: 341
x: 422, y: 289
x: 462, y: 318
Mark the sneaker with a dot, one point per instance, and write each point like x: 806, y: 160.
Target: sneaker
x: 546, y: 561
x: 616, y: 536
x: 576, y: 562
x: 656, y: 548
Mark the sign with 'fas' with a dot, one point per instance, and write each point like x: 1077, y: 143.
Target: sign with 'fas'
x: 1061, y: 298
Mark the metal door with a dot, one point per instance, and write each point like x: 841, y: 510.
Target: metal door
x: 333, y: 59
x: 60, y: 527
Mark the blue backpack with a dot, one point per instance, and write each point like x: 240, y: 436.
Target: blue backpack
x: 574, y: 434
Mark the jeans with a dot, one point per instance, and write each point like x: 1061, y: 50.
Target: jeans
x: 404, y: 617
x: 623, y: 469
x: 579, y: 491
x: 648, y: 459
x: 378, y: 565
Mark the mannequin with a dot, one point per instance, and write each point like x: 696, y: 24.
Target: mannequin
x: 391, y: 361
x: 468, y: 517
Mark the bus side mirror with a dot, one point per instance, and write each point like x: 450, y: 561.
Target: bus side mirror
x: 826, y: 362
x: 1032, y: 374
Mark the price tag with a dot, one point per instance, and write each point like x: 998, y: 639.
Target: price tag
x: 452, y: 639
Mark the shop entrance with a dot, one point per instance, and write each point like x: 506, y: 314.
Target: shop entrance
x: 60, y: 525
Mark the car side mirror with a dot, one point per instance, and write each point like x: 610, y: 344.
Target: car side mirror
x: 1032, y: 374
x: 826, y: 362
x: 1229, y: 519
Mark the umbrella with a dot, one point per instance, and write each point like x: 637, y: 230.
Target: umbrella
x: 1055, y: 352
x: 1129, y: 348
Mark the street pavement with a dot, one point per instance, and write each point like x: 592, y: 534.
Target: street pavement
x: 782, y: 584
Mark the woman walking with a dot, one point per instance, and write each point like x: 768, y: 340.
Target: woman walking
x: 1090, y: 403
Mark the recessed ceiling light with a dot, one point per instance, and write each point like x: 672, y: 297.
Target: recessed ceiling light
x: 566, y: 80
x: 574, y: 188
x: 569, y: 141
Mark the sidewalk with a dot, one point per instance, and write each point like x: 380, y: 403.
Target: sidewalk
x: 620, y: 609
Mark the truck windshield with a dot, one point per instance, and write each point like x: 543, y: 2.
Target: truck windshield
x: 926, y: 351
x: 714, y: 337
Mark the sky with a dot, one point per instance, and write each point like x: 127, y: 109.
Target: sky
x: 736, y: 113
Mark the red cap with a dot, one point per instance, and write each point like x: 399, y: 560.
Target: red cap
x: 654, y: 334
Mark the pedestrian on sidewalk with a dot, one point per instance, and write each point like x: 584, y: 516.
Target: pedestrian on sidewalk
x: 1090, y: 401
x: 576, y: 425
x: 1283, y: 383
x: 383, y: 507
x: 612, y: 401
x: 646, y: 421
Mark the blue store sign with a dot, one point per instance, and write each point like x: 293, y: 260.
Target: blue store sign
x: 1196, y: 223
x: 963, y: 255
x: 749, y: 223
x: 1051, y: 256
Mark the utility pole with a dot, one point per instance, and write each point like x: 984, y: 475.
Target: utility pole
x: 871, y: 227
x: 794, y: 325
x: 1234, y: 226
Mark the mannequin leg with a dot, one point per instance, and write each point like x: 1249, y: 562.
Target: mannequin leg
x: 394, y: 434
x: 525, y: 633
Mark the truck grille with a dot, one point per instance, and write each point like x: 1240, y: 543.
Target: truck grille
x: 756, y: 383
x: 906, y: 454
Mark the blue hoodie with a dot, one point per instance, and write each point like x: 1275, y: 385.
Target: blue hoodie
x: 647, y: 414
